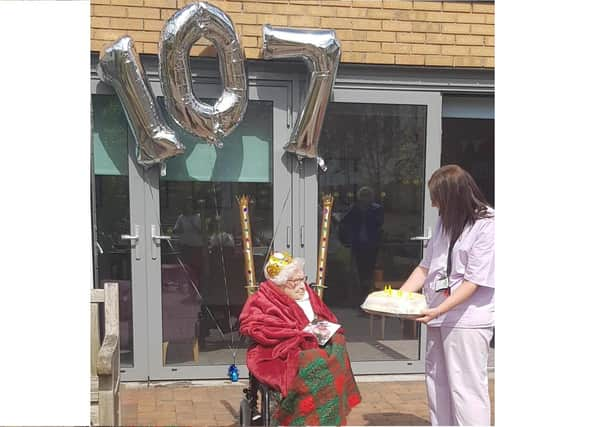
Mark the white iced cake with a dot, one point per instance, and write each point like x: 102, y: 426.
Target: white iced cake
x: 395, y: 301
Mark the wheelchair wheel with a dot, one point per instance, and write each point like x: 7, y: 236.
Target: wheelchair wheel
x: 245, y: 414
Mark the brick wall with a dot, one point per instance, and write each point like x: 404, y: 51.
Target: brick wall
x: 402, y: 32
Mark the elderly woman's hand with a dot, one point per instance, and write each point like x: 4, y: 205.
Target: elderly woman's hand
x: 428, y: 315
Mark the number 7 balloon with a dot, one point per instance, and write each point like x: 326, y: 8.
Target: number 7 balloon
x: 321, y: 51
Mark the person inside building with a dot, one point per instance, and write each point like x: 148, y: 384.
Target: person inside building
x: 457, y: 277
x: 191, y: 235
x: 360, y: 230
x: 314, y: 382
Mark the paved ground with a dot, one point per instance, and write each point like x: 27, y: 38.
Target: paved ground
x: 389, y: 403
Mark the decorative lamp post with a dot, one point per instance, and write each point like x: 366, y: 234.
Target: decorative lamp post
x: 251, y: 285
x: 323, y: 243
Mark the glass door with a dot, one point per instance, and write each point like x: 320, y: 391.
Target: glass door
x: 195, y: 263
x: 173, y: 242
x: 380, y: 147
x: 118, y: 226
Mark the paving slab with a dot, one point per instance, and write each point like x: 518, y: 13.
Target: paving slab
x: 398, y: 400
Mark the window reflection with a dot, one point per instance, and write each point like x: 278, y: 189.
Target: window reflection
x: 469, y: 143
x: 376, y: 163
x: 114, y: 254
x: 202, y: 266
x: 110, y: 137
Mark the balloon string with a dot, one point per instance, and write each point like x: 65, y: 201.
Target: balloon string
x: 195, y: 286
x: 228, y: 303
x: 205, y: 306
x: 220, y: 240
x: 276, y: 229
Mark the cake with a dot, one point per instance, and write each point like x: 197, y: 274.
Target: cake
x: 395, y: 301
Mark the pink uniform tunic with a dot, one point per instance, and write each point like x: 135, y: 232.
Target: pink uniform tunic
x: 472, y: 260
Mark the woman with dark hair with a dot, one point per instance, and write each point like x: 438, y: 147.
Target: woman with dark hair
x: 457, y: 277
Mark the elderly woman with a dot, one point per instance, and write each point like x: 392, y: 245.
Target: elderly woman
x: 315, y: 383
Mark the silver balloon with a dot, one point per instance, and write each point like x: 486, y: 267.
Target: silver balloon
x: 121, y: 68
x: 321, y: 51
x: 181, y: 31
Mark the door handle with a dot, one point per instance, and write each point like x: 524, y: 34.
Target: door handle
x: 156, y: 238
x: 135, y: 240
x: 287, y: 236
x: 301, y: 236
x: 426, y: 238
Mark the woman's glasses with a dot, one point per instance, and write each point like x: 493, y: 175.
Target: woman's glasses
x: 293, y: 283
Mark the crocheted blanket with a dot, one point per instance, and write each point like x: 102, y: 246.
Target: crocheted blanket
x: 323, y: 391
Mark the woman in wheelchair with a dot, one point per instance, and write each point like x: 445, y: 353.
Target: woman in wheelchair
x: 314, y: 383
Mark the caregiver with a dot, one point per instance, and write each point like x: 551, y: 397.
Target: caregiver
x: 457, y: 276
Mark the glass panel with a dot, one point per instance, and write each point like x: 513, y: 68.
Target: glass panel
x: 109, y: 135
x: 376, y: 165
x: 245, y: 156
x: 114, y: 254
x: 469, y: 143
x: 203, y: 266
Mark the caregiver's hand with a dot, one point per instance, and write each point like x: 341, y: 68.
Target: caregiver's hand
x: 462, y: 293
x: 428, y: 315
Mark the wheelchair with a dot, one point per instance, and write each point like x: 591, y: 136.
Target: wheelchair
x: 251, y: 413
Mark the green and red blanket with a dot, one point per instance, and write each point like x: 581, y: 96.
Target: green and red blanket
x: 323, y: 391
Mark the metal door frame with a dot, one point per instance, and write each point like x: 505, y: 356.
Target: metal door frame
x: 143, y: 189
x: 357, y: 94
x: 139, y: 370
x: 278, y: 94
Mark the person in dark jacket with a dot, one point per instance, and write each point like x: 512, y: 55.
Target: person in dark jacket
x: 360, y: 230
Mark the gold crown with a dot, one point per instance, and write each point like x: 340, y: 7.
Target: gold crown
x: 276, y: 263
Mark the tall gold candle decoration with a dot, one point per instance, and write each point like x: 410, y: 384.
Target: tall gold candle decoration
x: 251, y: 285
x: 323, y: 243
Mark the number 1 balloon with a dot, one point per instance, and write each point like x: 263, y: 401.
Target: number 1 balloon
x: 121, y: 68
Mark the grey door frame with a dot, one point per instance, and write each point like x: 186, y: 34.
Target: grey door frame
x: 139, y: 370
x: 144, y: 204
x: 356, y: 94
x: 281, y: 220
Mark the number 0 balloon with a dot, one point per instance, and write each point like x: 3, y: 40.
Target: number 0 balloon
x: 188, y: 25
